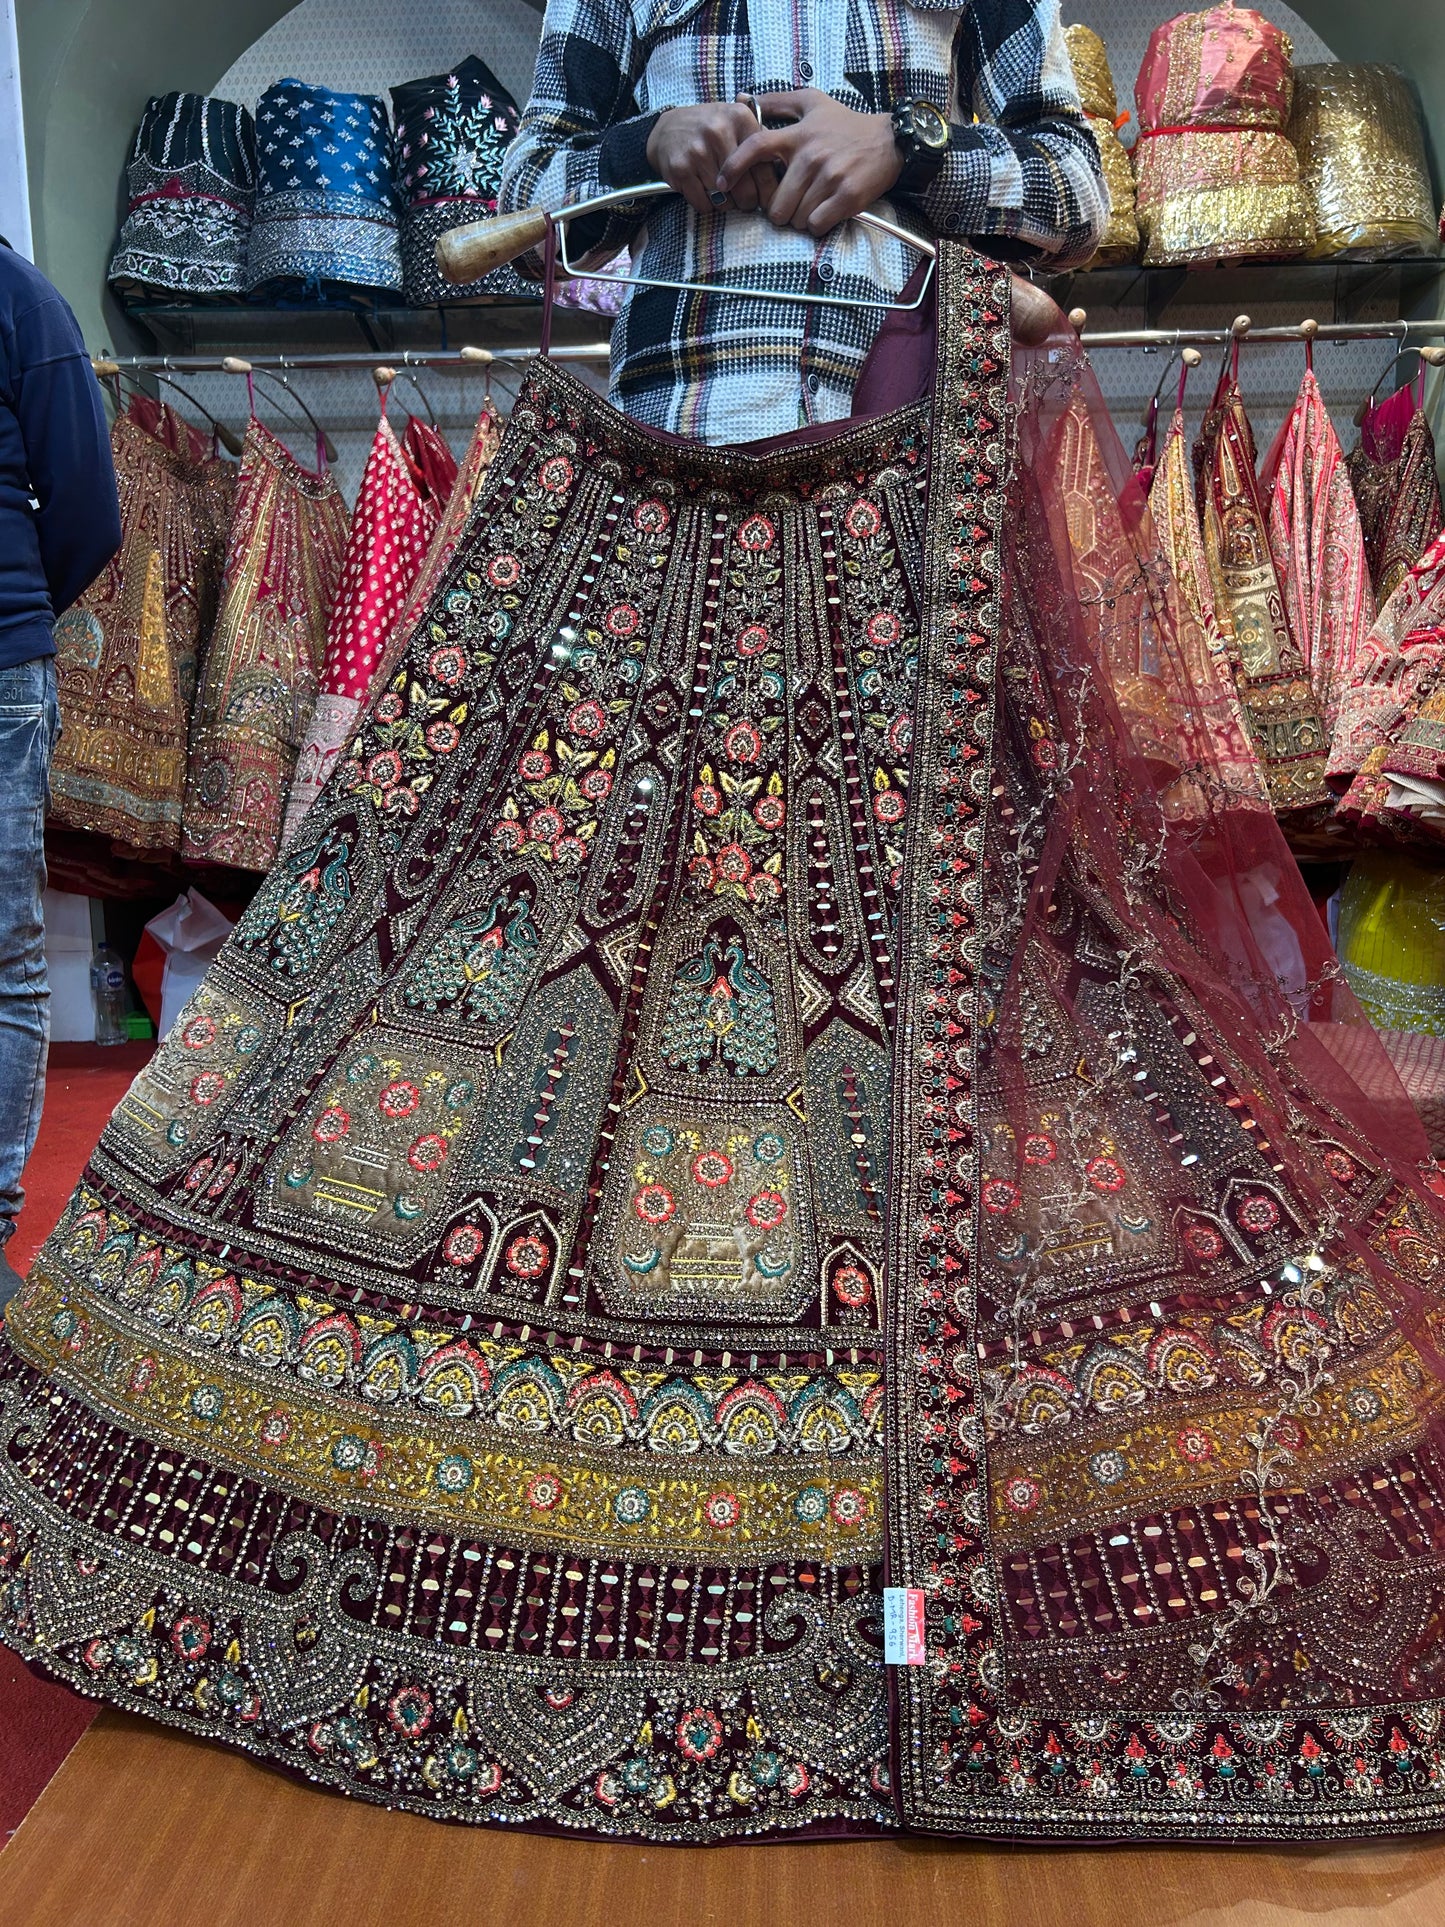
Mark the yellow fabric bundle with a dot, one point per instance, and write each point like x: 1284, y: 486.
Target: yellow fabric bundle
x: 1361, y: 151
x: 1101, y: 109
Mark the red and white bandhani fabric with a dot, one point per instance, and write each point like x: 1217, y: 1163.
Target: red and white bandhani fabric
x: 391, y: 530
x: 1318, y: 547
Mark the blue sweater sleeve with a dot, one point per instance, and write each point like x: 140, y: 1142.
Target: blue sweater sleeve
x: 67, y: 450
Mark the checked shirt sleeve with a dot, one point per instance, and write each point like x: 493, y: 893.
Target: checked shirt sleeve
x: 1027, y: 173
x: 581, y: 133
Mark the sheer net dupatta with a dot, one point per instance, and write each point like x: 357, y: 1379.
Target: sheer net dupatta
x: 1136, y: 756
x: 1164, y: 1263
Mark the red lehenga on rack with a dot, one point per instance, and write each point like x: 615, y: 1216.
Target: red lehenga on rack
x: 391, y: 529
x: 1281, y: 705
x: 259, y: 682
x: 787, y: 1091
x: 1397, y: 486
x: 1318, y: 547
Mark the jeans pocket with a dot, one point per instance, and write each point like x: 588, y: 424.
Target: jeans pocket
x: 25, y: 688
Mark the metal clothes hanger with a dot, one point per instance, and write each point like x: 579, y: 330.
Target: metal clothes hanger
x: 486, y: 360
x: 467, y: 253
x: 405, y: 369
x: 113, y: 374
x: 234, y: 365
x: 1431, y: 357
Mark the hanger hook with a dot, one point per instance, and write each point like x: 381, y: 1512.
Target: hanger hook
x: 406, y: 369
x: 227, y: 437
x: 323, y: 439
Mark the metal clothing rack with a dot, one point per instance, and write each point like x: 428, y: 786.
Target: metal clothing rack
x: 1403, y: 333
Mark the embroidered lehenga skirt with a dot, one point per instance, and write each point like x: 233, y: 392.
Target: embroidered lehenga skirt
x: 750, y: 1078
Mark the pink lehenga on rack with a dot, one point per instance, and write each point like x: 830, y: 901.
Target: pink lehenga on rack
x: 791, y: 1089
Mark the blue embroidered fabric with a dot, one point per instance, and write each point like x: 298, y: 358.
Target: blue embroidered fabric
x: 324, y: 206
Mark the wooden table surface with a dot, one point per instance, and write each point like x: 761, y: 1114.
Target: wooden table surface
x: 144, y: 1828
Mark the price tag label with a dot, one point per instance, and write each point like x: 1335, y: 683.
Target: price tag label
x: 903, y: 1625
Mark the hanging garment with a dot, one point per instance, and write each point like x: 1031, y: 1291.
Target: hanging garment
x: 127, y: 649
x: 1397, y: 666
x: 430, y: 463
x: 452, y: 134
x: 669, y: 1136
x: 325, y: 218
x: 1318, y: 548
x: 262, y: 669
x: 1089, y: 59
x: 191, y: 187
x: 1413, y: 764
x: 1397, y: 487
x: 1280, y: 705
x: 391, y: 528
x: 1217, y: 179
x: 475, y: 463
x: 1361, y: 147
x: 1175, y: 516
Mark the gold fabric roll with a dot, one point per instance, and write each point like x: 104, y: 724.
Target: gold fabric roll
x: 1216, y: 177
x: 1101, y: 109
x: 1362, y: 161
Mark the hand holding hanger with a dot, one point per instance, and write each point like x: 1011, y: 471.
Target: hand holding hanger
x: 831, y: 161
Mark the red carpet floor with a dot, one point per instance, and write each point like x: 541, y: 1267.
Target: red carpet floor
x: 39, y: 1722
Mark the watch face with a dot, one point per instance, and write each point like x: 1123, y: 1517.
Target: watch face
x: 929, y: 126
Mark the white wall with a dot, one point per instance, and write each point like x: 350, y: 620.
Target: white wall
x: 14, y: 187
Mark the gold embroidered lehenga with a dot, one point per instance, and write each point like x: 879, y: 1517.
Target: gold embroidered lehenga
x: 748, y: 1073
x: 128, y: 649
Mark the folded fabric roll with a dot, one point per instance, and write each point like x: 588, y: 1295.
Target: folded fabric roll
x: 191, y: 186
x: 1362, y: 160
x: 452, y: 131
x: 324, y: 210
x: 1217, y: 179
x: 1090, y: 60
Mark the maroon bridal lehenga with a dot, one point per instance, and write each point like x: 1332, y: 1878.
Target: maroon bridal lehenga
x: 777, y: 1067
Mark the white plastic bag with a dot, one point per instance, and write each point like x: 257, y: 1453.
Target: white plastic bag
x: 190, y: 933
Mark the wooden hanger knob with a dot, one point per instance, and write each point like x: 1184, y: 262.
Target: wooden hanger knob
x: 466, y: 253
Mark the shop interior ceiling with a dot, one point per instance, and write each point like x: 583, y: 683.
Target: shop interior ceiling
x: 365, y: 45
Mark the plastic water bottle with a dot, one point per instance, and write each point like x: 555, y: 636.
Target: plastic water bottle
x: 107, y: 991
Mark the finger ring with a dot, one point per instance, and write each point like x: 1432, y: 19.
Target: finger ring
x: 751, y: 100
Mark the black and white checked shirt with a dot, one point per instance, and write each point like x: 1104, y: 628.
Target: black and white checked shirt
x: 1022, y: 177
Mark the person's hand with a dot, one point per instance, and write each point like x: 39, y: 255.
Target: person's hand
x: 688, y: 146
x: 834, y: 162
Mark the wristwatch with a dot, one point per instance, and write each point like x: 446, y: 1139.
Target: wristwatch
x: 920, y: 133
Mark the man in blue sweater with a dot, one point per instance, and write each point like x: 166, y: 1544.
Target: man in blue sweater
x: 59, y: 526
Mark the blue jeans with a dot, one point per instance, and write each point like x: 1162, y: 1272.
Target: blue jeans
x: 29, y: 725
